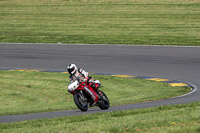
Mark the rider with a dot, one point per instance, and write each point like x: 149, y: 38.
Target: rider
x: 82, y: 75
x: 77, y: 73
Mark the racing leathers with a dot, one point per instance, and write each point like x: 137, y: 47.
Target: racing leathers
x: 82, y: 76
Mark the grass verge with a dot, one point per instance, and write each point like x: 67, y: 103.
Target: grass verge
x: 28, y: 92
x: 159, y: 22
x: 164, y: 119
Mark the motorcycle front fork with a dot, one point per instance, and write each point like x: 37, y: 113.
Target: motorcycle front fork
x: 82, y: 96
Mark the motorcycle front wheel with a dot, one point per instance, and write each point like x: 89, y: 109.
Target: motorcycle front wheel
x: 80, y: 101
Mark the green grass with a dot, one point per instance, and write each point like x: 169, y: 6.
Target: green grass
x: 27, y: 92
x: 164, y: 119
x: 158, y: 22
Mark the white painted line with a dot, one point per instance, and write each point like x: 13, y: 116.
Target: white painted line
x: 119, y: 45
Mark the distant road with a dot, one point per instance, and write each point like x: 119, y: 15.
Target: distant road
x: 180, y: 63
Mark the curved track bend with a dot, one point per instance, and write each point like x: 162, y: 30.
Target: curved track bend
x: 172, y: 62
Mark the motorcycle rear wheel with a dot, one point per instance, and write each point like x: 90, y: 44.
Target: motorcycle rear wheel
x: 82, y: 105
x: 105, y: 104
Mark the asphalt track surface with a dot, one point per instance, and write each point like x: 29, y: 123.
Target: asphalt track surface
x: 172, y: 62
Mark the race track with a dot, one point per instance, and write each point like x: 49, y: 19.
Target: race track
x: 179, y: 63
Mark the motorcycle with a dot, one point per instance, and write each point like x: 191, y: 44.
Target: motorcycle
x: 88, y: 95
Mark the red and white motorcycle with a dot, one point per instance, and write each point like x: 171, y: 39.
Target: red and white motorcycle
x: 86, y: 96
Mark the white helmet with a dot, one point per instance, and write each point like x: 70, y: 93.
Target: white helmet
x: 72, y: 68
